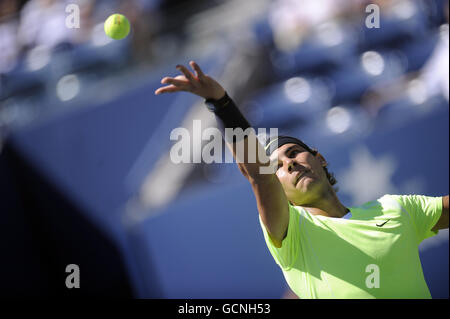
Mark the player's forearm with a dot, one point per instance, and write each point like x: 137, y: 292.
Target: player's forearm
x: 241, y: 139
x: 250, y: 164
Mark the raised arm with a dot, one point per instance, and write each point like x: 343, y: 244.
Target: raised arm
x: 270, y: 197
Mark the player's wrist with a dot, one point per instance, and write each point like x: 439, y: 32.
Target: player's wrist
x: 219, y: 94
x: 215, y: 104
x: 227, y: 112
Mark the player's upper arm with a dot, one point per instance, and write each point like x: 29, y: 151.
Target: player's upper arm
x: 286, y: 254
x: 272, y: 205
x: 271, y: 200
x: 442, y: 223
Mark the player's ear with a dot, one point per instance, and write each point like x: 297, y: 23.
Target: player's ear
x: 321, y: 159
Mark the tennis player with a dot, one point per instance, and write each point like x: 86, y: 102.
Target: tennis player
x: 325, y: 249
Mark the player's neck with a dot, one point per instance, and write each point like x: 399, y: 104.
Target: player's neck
x: 328, y: 205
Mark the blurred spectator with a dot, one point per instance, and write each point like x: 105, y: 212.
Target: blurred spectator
x: 9, y: 47
x: 87, y: 21
x: 431, y: 80
x: 435, y: 73
x: 291, y: 20
x: 42, y: 23
x: 145, y: 21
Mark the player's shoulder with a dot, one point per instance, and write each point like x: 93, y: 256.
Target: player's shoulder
x: 385, y: 204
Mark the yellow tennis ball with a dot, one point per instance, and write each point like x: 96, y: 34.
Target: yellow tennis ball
x: 117, y: 26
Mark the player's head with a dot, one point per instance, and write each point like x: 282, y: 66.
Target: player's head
x: 302, y: 171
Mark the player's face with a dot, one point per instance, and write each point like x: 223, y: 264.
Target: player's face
x: 301, y: 173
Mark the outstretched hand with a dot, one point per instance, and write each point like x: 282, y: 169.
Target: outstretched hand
x: 198, y: 83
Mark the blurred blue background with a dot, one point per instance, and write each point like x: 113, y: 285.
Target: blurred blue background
x: 85, y: 171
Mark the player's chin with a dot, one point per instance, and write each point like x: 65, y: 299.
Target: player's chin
x: 305, y: 182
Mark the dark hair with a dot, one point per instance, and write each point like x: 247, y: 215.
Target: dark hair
x: 283, y: 139
x: 331, y: 179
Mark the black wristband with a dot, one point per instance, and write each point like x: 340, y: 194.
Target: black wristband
x: 215, y: 105
x: 226, y: 110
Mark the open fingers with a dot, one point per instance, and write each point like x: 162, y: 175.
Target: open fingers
x: 168, y: 89
x: 186, y: 73
x: 179, y: 81
x: 197, y: 69
x: 188, y: 82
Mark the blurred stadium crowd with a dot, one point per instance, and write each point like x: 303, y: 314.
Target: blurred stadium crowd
x: 317, y: 53
x: 42, y: 61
